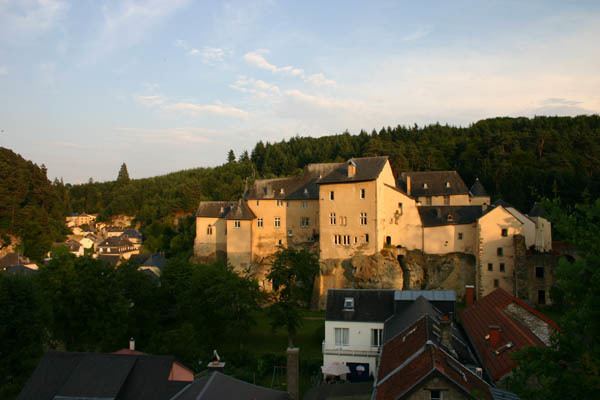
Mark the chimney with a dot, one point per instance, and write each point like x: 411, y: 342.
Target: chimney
x: 469, y: 295
x: 351, y: 169
x: 293, y: 372
x: 495, y: 336
x: 215, y: 363
x: 446, y: 333
x: 132, y: 344
x: 408, y: 185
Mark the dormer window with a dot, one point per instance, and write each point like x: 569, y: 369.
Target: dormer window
x: 450, y: 218
x: 425, y: 186
x: 349, y: 303
x: 281, y: 191
x: 447, y: 185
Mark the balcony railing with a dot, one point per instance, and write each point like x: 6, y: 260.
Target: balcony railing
x: 350, y: 350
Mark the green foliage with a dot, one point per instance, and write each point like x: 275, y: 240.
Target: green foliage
x: 23, y: 317
x: 123, y: 176
x: 31, y: 207
x: 292, y: 276
x: 570, y: 368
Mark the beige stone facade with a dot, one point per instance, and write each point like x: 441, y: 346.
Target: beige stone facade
x: 344, y: 210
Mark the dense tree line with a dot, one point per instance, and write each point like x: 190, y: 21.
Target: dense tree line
x: 31, y: 207
x: 83, y: 304
x: 517, y: 159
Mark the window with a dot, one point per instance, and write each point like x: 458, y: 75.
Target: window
x: 539, y: 272
x: 447, y: 185
x: 490, y: 267
x: 428, y: 200
x: 541, y: 297
x: 400, y: 208
x: 349, y: 303
x: 304, y: 222
x: 257, y: 203
x: 425, y: 186
x: 355, y: 239
x: 376, y: 337
x: 341, y: 336
x: 209, y: 230
x: 496, y: 283
x: 435, y: 394
x: 343, y: 221
x: 260, y: 223
x: 346, y: 240
x: 502, y: 268
x: 279, y: 242
x: 331, y: 195
x: 446, y: 200
x: 363, y: 193
x: 304, y: 204
x: 363, y: 218
x: 332, y: 218
x: 366, y: 238
x: 277, y: 222
x: 279, y: 203
x: 236, y: 224
x: 460, y: 236
x: 504, y: 232
x: 500, y: 251
x: 337, y: 239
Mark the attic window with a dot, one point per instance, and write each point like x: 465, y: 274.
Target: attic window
x: 349, y: 303
x: 503, y: 348
x: 450, y: 218
x: 425, y: 186
x: 305, y: 191
x: 447, y: 185
x: 281, y: 191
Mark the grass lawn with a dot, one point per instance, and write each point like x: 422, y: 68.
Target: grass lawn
x: 262, y: 343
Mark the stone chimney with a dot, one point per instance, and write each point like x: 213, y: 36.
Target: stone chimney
x: 132, y: 344
x: 408, y: 185
x: 469, y: 295
x: 495, y: 336
x: 351, y: 169
x: 446, y: 333
x: 293, y: 372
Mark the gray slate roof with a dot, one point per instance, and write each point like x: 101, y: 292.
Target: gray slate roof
x: 477, y: 189
x: 449, y: 215
x: 367, y: 169
x: 68, y: 375
x: 537, y: 210
x: 370, y: 305
x: 436, y: 183
x: 225, y: 209
x: 218, y: 386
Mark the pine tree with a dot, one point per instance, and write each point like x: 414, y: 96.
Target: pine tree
x: 123, y: 176
x: 230, y: 157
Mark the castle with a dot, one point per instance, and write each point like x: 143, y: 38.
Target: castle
x: 358, y: 207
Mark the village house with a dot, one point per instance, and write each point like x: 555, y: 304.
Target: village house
x: 77, y: 220
x: 501, y: 324
x: 340, y: 210
x: 119, y: 247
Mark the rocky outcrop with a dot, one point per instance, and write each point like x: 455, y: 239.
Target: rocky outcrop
x: 396, y: 269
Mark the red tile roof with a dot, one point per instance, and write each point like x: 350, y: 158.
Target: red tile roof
x: 425, y: 362
x: 490, y: 311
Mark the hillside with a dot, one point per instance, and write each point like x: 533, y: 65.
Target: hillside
x: 517, y: 159
x: 31, y: 207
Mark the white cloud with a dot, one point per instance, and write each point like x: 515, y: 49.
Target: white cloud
x: 203, y: 109
x: 196, y: 109
x: 257, y: 87
x: 150, y: 100
x: 170, y: 135
x: 319, y: 80
x: 257, y: 59
x: 3, y: 70
x: 29, y: 17
x: 417, y: 34
x: 129, y: 22
x: 322, y: 102
x: 209, y: 55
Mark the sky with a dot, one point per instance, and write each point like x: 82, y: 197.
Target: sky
x: 165, y: 85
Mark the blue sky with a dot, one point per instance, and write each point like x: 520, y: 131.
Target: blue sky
x: 166, y: 85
